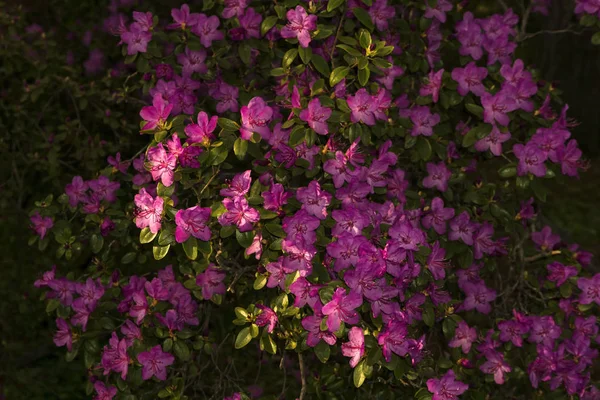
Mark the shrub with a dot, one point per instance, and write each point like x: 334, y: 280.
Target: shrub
x: 340, y: 180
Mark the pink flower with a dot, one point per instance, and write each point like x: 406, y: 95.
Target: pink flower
x: 76, y: 191
x: 299, y: 26
x: 470, y: 79
x: 496, y: 107
x: 239, y: 186
x: 316, y: 116
x: 545, y: 239
x: 255, y: 247
x: 201, y: 132
x: 192, y: 61
x: 155, y: 363
x: 495, y: 365
x: 162, y: 164
x: 447, y: 387
x: 464, y: 336
x: 531, y: 159
x: 183, y: 19
x: 192, y: 221
x: 207, y: 29
x: 41, y: 225
x: 104, y: 392
x: 136, y: 38
x: 590, y: 290
x: 341, y: 308
x: 438, y: 177
x: 115, y: 357
x: 64, y: 336
x: 149, y: 211
x: 355, y: 347
x: 275, y: 197
x: 267, y: 318
x: 439, y: 13
x: 234, y: 8
x: 255, y: 118
x: 249, y: 26
x: 380, y: 13
x: 46, y: 278
x: 314, y: 200
x: 312, y: 324
x: 157, y: 114
x: 362, y: 107
x: 478, y: 297
x: 116, y: 162
x: 559, y: 273
x: 211, y: 282
x: 493, y: 141
x: 423, y: 121
x: 433, y: 86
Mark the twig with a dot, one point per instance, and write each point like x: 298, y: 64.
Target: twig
x: 540, y: 256
x: 337, y: 34
x: 550, y: 32
x: 503, y: 4
x: 302, y: 376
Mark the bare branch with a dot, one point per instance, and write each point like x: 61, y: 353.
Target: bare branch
x: 302, y: 377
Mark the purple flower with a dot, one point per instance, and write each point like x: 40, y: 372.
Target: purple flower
x: 64, y: 290
x: 275, y: 197
x: 393, y: 339
x: 249, y: 26
x: 312, y: 324
x: 355, y: 347
x: 162, y: 164
x: 568, y: 157
x: 433, y: 86
x: 380, y: 13
x: 437, y: 216
x: 559, y: 273
x: 183, y: 19
x: 192, y: 221
x: 90, y: 291
x: 116, y: 162
x: 211, y: 282
x: 188, y: 158
x: 478, y: 298
x: 171, y: 320
x: 299, y: 25
x: 104, y: 392
x: 493, y: 141
x: 496, y: 107
x: 239, y: 213
x: 41, y: 225
x: 301, y: 226
x: 115, y: 357
x: 239, y: 186
x: 531, y: 159
x: 276, y: 275
x: 590, y: 289
x: 255, y: 118
x: 513, y: 331
x: 362, y: 107
x: 136, y: 38
x: 76, y: 191
x: 495, y: 365
x: 139, y: 309
x: 464, y: 336
x: 316, y: 116
x: 545, y: 239
x: 207, y: 29
x: 342, y: 308
x: 438, y: 177
x: 155, y: 363
x: 470, y: 79
x: 436, y: 262
x: 149, y: 211
x: 544, y: 330
x: 267, y: 318
x: 192, y: 61
x: 447, y: 387
x: 47, y: 277
x: 349, y: 220
x: 63, y: 336
x: 156, y: 115
x: 234, y: 8
x: 423, y: 121
x: 338, y: 169
x: 131, y: 332
x: 104, y: 188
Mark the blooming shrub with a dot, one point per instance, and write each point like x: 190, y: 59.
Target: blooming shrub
x: 353, y: 184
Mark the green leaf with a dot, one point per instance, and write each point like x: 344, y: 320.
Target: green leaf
x: 475, y: 134
x: 160, y: 252
x: 244, y: 238
x: 429, y: 315
x: 240, y: 147
x: 358, y: 376
x: 190, y: 247
x: 182, y: 351
x: 275, y: 230
x: 228, y: 125
x: 243, y: 338
x: 269, y: 344
x: 244, y: 51
x: 364, y: 18
x: 52, y: 305
x: 475, y: 110
x: 322, y: 351
x: 289, y: 57
x: 297, y: 136
x: 267, y: 24
x: 423, y: 147
x: 305, y: 54
x: 128, y: 258
x: 508, y: 171
x: 226, y: 231
x: 337, y: 75
x: 321, y: 65
x: 363, y: 76
x: 333, y: 4
x: 350, y: 50
x: 96, y: 243
x: 365, y: 39
x: 260, y: 282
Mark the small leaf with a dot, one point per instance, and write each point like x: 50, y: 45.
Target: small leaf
x: 337, y: 75
x: 129, y: 257
x: 289, y: 57
x: 333, y: 4
x: 240, y: 147
x: 228, y: 125
x: 429, y: 315
x: 359, y: 375
x: 182, y: 351
x: 423, y: 147
x: 267, y: 24
x: 507, y: 171
x: 226, y: 231
x: 475, y: 110
x: 365, y: 39
x: 243, y: 338
x: 259, y: 282
x: 305, y: 54
x: 244, y: 238
x: 269, y: 344
x: 96, y: 243
x: 160, y: 252
x: 364, y: 17
x: 363, y: 76
x: 190, y: 247
x: 276, y: 230
x: 321, y: 65
x: 322, y: 351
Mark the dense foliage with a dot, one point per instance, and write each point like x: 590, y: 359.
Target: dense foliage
x: 338, y: 179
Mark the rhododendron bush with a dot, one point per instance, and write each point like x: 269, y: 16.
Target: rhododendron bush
x: 336, y: 199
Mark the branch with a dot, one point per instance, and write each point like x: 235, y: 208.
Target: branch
x: 503, y: 4
x: 540, y: 256
x: 550, y: 32
x: 302, y: 377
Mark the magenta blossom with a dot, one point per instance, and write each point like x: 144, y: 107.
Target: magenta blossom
x: 267, y: 318
x: 239, y: 185
x: 136, y: 38
x: 433, y: 86
x: 207, y: 29
x: 545, y: 239
x: 239, y: 213
x: 234, y: 8
x: 362, y: 107
x: 299, y: 26
x: 496, y: 107
x: 202, y: 131
x: 493, y: 141
x: 478, y: 298
x: 156, y: 115
x: 211, y: 282
x: 590, y: 290
x: 76, y: 191
x: 355, y: 347
x: 423, y: 121
x: 559, y: 273
x: 316, y: 116
x: 255, y: 119
x: 154, y: 363
x: 470, y: 79
x: 464, y: 336
x: 192, y: 61
x: 312, y: 324
x: 495, y: 365
x: 63, y: 336
x: 276, y: 197
x: 438, y: 177
x: 183, y: 18
x: 192, y: 221
x: 342, y: 308
x: 104, y: 392
x: 162, y: 164
x: 149, y: 211
x: 438, y: 12
x: 41, y: 225
x: 531, y: 159
x: 447, y: 387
